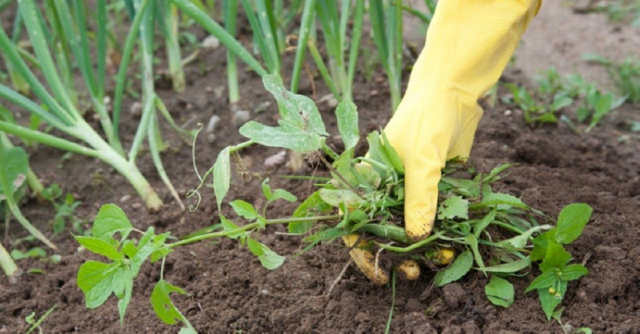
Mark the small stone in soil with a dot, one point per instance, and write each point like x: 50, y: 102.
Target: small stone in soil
x: 211, y: 42
x: 240, y: 117
x: 275, y: 160
x: 136, y: 108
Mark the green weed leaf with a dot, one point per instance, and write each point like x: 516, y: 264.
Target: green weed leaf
x: 162, y: 304
x: 335, y: 197
x: 545, y: 280
x: 13, y: 169
x: 97, y: 281
x: 454, y: 207
x: 571, y: 222
x: 499, y: 291
x: 110, y: 220
x: 285, y: 195
x: 456, y: 270
x: 313, y: 204
x: 509, y: 267
x: 550, y: 301
x: 35, y: 252
x: 520, y: 241
x: 268, y: 258
x: 285, y: 136
x: 502, y: 201
x: 572, y: 272
x: 556, y: 257
x: 228, y: 225
x: 222, y: 175
x: 244, y: 209
x: 347, y: 116
x: 100, y: 246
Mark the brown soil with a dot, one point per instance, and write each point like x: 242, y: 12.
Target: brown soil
x: 231, y: 292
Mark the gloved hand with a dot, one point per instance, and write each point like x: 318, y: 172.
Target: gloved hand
x: 468, y: 45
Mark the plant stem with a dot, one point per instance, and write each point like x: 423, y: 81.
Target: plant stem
x: 411, y: 247
x: 248, y: 227
x: 6, y: 262
x: 238, y: 147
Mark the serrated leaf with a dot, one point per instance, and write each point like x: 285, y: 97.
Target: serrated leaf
x: 336, y: 197
x: 571, y: 221
x: 456, y: 270
x: 110, y: 220
x: 96, y: 280
x: 100, y: 246
x: 162, y: 304
x: 347, y: 116
x: 268, y: 258
x: 244, y: 209
x: 221, y: 176
x: 499, y: 291
x: 454, y: 207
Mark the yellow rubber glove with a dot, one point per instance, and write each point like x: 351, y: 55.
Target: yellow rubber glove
x: 468, y: 45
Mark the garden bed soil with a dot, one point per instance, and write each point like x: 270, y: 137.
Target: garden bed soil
x: 229, y: 291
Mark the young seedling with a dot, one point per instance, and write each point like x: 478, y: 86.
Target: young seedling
x: 626, y: 75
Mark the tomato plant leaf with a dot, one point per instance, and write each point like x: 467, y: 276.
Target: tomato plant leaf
x: 244, y: 209
x: 456, y: 270
x: 499, y: 291
x: 100, y: 246
x: 571, y: 221
x: 347, y: 116
x: 222, y: 175
x: 162, y: 304
x: 454, y: 207
x: 110, y: 220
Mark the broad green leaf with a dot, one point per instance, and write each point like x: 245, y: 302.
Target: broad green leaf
x: 502, y: 201
x: 509, y: 267
x: 555, y: 257
x: 285, y: 195
x: 499, y: 291
x: 13, y: 169
x: 571, y: 222
x: 100, y: 246
x: 544, y: 280
x: 456, y: 270
x: 268, y: 258
x: 244, y: 209
x: 520, y: 241
x: 96, y: 280
x: 111, y: 219
x: 296, y: 110
x: 221, y: 175
x: 148, y: 244
x: 335, y: 197
x: 572, y: 272
x: 284, y: 136
x: 162, y: 304
x: 347, y: 116
x: 550, y: 301
x: 454, y: 207
x: 312, y: 205
x: 540, y: 244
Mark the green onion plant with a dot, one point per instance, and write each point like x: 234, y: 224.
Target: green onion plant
x: 54, y: 104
